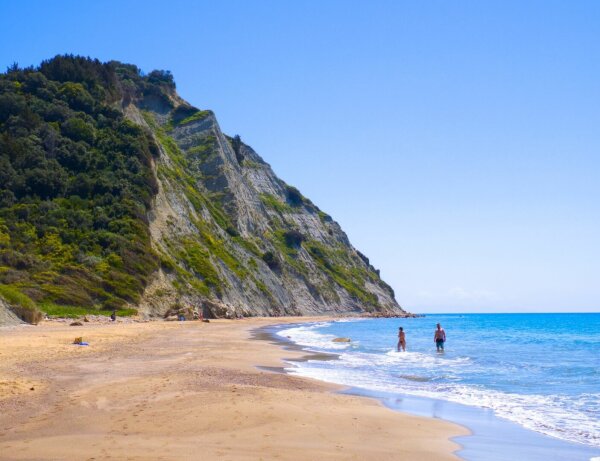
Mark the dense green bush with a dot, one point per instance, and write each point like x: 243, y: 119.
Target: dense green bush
x: 271, y: 260
x: 75, y: 183
x: 294, y: 197
x: 182, y: 112
x: 293, y: 238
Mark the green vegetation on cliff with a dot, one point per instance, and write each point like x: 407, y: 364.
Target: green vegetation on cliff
x: 107, y: 176
x: 75, y: 184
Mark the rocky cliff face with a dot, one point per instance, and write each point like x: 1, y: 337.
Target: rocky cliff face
x: 115, y: 193
x: 227, y: 228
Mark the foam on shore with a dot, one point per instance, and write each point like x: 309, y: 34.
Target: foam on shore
x: 437, y: 376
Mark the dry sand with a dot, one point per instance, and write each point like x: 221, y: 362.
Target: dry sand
x: 187, y: 390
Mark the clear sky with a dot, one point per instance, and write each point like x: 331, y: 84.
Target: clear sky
x: 456, y: 142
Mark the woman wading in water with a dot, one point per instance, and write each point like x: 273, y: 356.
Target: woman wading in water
x: 401, y: 339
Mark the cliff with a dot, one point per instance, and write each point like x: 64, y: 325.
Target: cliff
x: 168, y: 211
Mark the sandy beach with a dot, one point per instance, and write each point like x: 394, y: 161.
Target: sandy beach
x: 187, y: 390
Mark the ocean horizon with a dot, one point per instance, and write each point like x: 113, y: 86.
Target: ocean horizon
x: 538, y: 371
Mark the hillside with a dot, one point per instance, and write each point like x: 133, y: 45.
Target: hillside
x: 117, y: 194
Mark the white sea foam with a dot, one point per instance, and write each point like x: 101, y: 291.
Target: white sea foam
x: 562, y: 416
x: 308, y: 336
x: 551, y: 415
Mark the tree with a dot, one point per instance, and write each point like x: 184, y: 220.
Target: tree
x: 13, y: 68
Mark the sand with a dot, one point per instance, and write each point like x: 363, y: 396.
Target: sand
x: 187, y: 390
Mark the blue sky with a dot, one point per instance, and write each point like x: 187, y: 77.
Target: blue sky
x: 457, y: 143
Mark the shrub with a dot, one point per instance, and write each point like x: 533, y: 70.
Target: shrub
x: 29, y: 315
x: 293, y: 238
x: 271, y: 260
x: 198, y: 115
x: 236, y: 144
x: 198, y: 260
x: 77, y: 97
x: 14, y: 297
x: 56, y: 310
x: 294, y: 197
x: 162, y: 77
x: 78, y: 130
x: 232, y: 231
x: 167, y: 264
x: 273, y: 202
x: 184, y: 114
x: 113, y: 304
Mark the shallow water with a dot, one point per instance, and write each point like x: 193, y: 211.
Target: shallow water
x: 540, y: 371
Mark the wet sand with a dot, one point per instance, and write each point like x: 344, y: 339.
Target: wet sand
x: 189, y: 390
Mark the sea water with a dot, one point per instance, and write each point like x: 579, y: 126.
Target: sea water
x: 540, y: 371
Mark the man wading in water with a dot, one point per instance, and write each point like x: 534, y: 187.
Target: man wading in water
x: 440, y: 338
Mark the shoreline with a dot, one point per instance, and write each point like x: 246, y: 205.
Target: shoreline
x: 488, y: 433
x: 165, y: 390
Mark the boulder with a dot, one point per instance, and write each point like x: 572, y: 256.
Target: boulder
x: 178, y: 310
x: 218, y: 310
x: 341, y: 340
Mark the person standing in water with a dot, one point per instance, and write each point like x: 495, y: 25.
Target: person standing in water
x: 401, y: 339
x: 439, y: 338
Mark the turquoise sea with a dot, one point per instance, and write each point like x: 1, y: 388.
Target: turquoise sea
x: 540, y: 372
